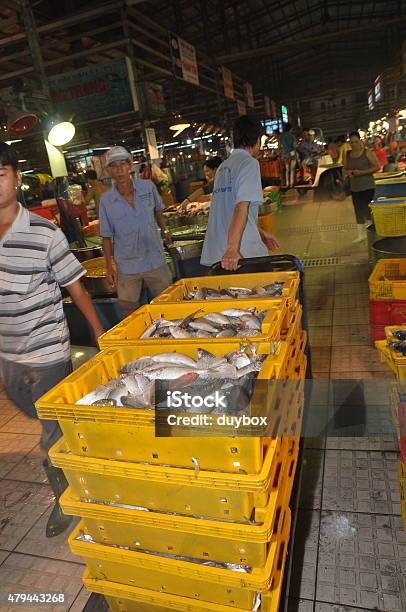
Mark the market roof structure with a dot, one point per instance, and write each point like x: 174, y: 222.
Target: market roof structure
x: 292, y: 50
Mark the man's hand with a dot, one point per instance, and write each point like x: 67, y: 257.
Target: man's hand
x: 111, y: 276
x: 230, y: 259
x: 270, y: 241
x: 98, y: 331
x: 356, y: 172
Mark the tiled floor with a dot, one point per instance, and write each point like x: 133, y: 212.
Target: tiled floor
x: 350, y: 549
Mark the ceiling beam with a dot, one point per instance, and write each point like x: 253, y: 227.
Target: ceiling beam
x: 311, y: 41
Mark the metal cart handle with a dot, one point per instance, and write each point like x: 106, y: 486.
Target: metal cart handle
x: 252, y: 261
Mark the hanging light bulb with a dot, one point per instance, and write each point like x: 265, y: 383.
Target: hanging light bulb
x: 61, y: 133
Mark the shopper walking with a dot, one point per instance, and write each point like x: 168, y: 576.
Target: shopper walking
x: 130, y: 213
x: 288, y: 146
x: 209, y: 168
x: 360, y: 165
x: 232, y: 231
x: 35, y: 261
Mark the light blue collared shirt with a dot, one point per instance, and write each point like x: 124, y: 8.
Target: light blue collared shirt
x: 138, y: 245
x: 238, y: 179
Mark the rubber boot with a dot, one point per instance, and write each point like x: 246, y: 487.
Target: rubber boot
x: 362, y: 234
x: 58, y: 521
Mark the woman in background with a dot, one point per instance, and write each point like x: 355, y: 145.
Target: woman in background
x: 288, y: 146
x: 360, y: 164
x: 381, y: 153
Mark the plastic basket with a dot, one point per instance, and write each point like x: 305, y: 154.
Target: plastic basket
x: 171, y: 489
x: 187, y: 536
x: 388, y: 280
x: 179, y: 290
x: 183, y: 578
x: 385, y: 354
x: 291, y: 326
x: 387, y: 312
x: 389, y: 219
x: 129, y: 331
x: 129, y: 434
x: 122, y: 598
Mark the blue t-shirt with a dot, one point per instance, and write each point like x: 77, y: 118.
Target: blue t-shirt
x: 238, y: 179
x: 138, y: 245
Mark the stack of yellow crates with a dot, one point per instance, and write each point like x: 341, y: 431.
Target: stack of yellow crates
x: 397, y: 363
x: 184, y: 523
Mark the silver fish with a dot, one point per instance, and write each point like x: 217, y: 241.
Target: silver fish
x: 202, y: 334
x: 105, y: 402
x: 136, y: 401
x: 150, y: 330
x: 237, y: 312
x: 185, y: 322
x: 217, y: 317
x: 200, y: 324
x: 200, y: 294
x: 251, y: 321
x: 177, y: 332
x: 170, y: 373
x: 174, y: 358
x: 226, y: 333
x: 240, y: 290
x: 259, y: 290
x: 135, y: 384
x: 117, y: 392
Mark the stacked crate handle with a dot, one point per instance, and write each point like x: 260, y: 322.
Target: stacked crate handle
x: 278, y: 263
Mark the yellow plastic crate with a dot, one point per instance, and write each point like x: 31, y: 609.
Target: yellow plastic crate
x: 111, y: 433
x: 388, y: 280
x: 183, y: 578
x: 129, y: 331
x: 389, y: 219
x: 170, y: 489
x: 397, y: 365
x: 122, y: 598
x: 187, y: 536
x: 179, y: 290
x: 291, y: 326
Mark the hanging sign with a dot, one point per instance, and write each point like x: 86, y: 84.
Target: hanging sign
x: 154, y: 99
x: 184, y: 60
x: 249, y: 94
x: 98, y: 90
x: 241, y: 108
x: 267, y: 105
x: 228, y: 83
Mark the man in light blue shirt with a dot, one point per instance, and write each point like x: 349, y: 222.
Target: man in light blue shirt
x: 232, y: 231
x: 130, y: 213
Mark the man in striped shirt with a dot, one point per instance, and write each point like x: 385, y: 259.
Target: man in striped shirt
x: 35, y: 261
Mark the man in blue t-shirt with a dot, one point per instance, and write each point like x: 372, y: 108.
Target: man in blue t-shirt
x: 232, y: 231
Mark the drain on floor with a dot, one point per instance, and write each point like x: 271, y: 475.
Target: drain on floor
x: 320, y: 261
x: 345, y: 260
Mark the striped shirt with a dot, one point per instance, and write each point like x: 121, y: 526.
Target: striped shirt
x: 34, y: 261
